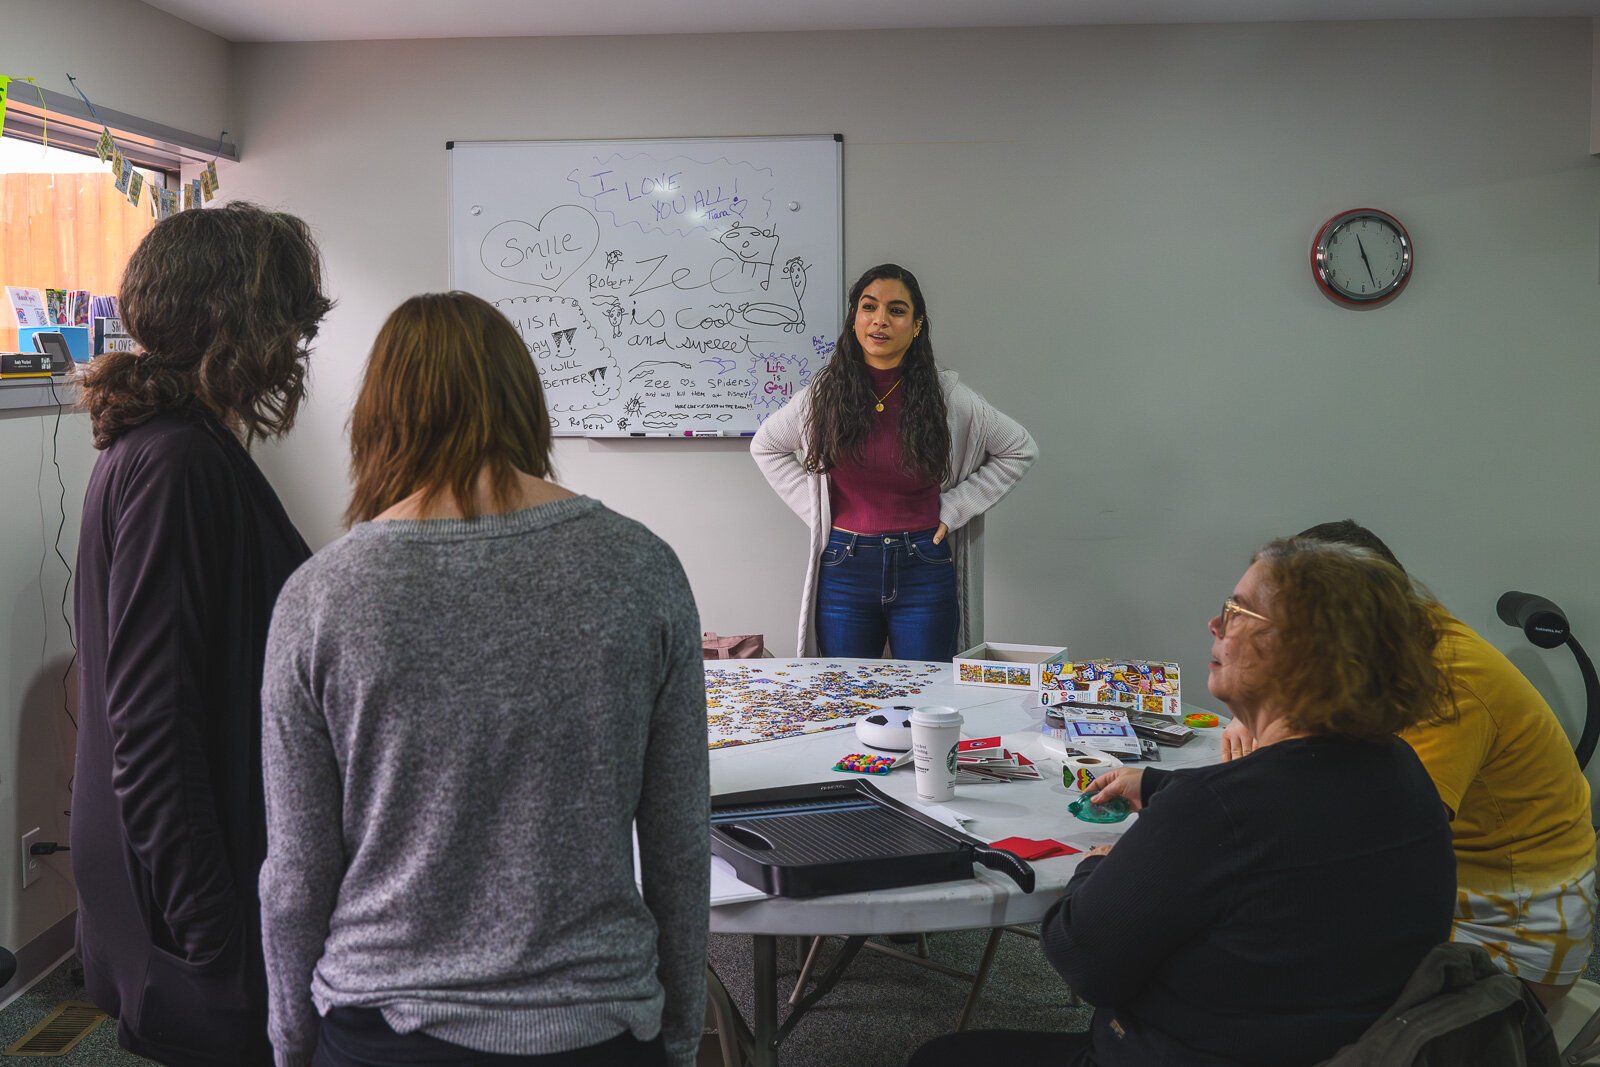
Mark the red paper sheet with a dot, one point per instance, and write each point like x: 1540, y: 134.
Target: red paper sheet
x: 1030, y: 849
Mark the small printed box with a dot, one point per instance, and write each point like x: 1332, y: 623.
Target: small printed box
x: 1153, y: 703
x: 1138, y: 685
x: 1008, y: 666
x: 1115, y: 738
x: 1077, y: 693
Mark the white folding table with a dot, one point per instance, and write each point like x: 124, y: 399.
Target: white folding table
x: 1031, y: 809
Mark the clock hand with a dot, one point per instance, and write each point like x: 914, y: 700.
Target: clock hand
x: 1363, y: 249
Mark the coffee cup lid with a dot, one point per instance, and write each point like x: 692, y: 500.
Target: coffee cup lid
x: 936, y: 715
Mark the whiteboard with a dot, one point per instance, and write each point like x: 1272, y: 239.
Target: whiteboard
x: 664, y: 288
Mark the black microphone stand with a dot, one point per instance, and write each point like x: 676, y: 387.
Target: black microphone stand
x: 1546, y: 626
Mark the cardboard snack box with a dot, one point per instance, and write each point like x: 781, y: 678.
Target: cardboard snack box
x: 1139, y: 685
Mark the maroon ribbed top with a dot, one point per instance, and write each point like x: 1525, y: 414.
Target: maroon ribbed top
x: 875, y: 496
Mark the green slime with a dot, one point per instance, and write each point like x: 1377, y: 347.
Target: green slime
x: 1114, y: 810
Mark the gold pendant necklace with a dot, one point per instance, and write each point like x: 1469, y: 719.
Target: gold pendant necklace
x: 892, y: 388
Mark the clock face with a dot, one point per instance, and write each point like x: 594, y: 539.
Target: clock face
x: 1362, y: 258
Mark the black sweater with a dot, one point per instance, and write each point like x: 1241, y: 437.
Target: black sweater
x: 183, y: 549
x: 1261, y: 912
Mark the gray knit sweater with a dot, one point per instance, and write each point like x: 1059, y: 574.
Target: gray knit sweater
x: 463, y: 719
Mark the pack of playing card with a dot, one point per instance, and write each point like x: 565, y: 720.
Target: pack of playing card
x: 985, y: 759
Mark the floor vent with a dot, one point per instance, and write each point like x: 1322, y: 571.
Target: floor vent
x: 60, y: 1031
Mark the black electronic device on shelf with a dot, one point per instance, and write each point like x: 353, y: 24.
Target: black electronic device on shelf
x: 843, y: 837
x: 53, y: 346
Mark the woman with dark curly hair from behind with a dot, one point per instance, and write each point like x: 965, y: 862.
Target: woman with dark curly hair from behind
x: 1265, y: 912
x: 183, y: 549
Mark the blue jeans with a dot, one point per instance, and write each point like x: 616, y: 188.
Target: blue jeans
x: 896, y: 586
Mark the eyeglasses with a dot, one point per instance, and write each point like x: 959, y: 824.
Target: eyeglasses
x: 1230, y: 608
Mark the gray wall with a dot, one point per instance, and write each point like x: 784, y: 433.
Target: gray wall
x: 126, y: 56
x: 36, y: 688
x: 1112, y: 226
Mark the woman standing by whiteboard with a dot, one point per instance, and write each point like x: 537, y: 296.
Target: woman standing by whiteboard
x: 893, y: 463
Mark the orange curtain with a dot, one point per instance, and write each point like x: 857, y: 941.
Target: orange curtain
x: 65, y: 231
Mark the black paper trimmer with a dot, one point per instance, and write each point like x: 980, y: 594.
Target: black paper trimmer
x: 843, y: 837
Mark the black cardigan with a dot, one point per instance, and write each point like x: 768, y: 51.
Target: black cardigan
x: 1260, y: 912
x: 183, y: 549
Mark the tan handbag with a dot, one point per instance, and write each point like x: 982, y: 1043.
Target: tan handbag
x: 732, y: 646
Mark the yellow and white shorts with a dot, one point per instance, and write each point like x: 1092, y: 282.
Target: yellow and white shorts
x: 1541, y: 936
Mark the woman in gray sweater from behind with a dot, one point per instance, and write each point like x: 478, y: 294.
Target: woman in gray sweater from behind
x: 470, y: 700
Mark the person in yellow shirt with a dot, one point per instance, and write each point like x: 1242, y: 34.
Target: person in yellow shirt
x: 1518, y: 803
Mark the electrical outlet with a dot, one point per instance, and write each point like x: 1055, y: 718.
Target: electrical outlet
x: 30, y: 862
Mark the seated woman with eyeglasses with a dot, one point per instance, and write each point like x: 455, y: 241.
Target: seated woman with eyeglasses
x: 1266, y: 911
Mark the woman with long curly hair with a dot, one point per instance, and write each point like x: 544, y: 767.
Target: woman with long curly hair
x: 893, y: 463
x: 183, y: 549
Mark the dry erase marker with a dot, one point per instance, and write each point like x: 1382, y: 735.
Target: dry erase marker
x: 649, y: 435
x: 701, y: 433
x: 736, y: 433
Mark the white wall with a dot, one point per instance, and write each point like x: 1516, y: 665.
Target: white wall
x: 134, y: 59
x: 1112, y: 227
x: 126, y: 55
x: 37, y: 692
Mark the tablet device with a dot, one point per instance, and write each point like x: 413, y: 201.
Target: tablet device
x: 55, y: 346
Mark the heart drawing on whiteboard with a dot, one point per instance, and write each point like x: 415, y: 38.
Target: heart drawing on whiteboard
x: 545, y: 254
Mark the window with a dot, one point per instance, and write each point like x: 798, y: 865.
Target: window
x: 63, y: 224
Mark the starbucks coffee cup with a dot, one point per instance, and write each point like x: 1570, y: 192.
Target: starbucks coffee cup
x: 935, y: 732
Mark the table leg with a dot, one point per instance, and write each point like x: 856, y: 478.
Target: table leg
x: 979, y: 978
x: 733, y: 1036
x: 764, y: 1028
x: 808, y: 958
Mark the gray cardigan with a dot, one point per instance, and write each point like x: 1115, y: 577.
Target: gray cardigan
x: 463, y: 719
x: 989, y: 453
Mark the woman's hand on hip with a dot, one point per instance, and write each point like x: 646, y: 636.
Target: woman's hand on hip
x: 940, y: 534
x: 1124, y: 782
